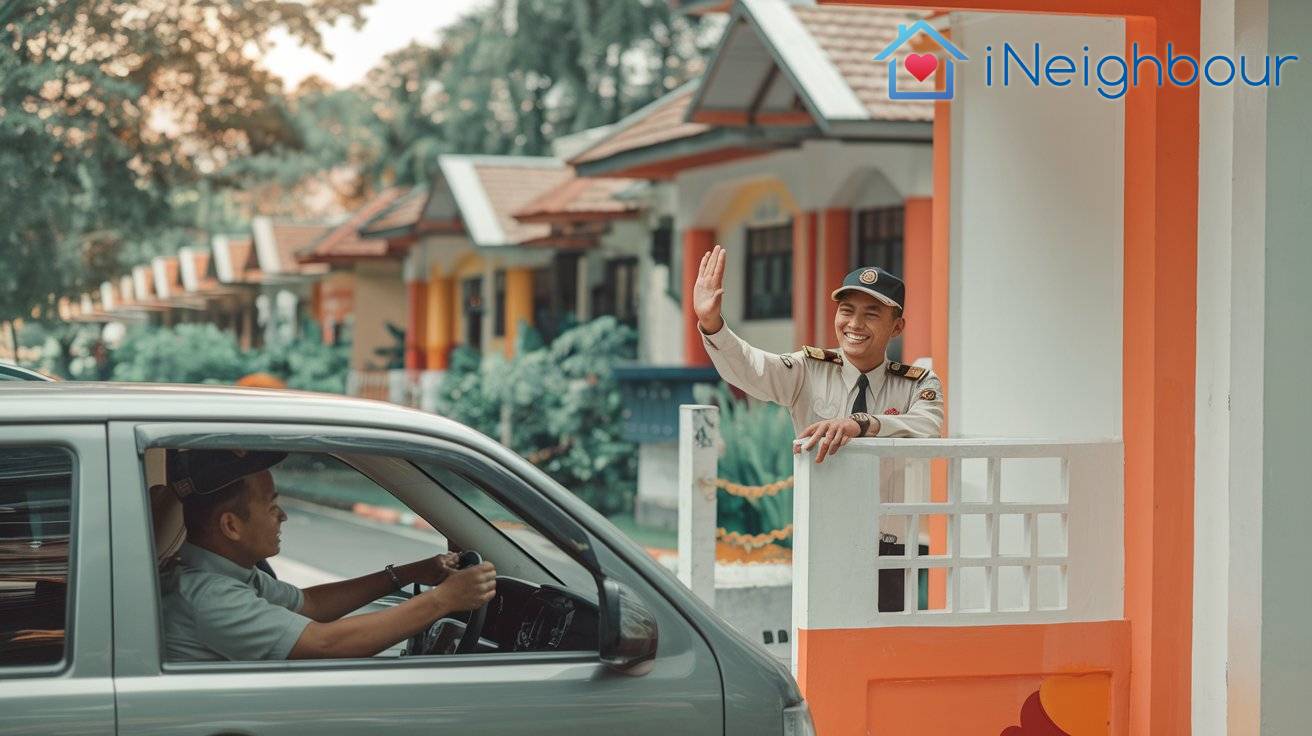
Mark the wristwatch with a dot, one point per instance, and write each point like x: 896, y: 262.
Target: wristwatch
x: 391, y: 571
x: 863, y: 421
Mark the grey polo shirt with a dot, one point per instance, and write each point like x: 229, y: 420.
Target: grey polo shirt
x: 215, y: 609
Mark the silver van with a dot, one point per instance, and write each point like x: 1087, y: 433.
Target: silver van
x: 587, y: 633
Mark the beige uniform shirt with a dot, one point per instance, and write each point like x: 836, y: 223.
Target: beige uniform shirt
x: 816, y: 388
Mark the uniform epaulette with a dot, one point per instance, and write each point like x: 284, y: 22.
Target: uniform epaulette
x: 828, y: 356
x: 914, y: 372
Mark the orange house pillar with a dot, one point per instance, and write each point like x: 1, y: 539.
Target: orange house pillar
x: 416, y: 311
x: 696, y: 243
x: 836, y: 261
x: 918, y: 259
x: 804, y: 269
x: 439, y: 323
x: 519, y: 305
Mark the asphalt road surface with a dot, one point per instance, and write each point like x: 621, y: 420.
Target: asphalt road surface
x: 321, y: 544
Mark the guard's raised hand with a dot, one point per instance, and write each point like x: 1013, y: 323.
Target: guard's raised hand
x: 708, y: 292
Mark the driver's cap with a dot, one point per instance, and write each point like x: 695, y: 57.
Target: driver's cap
x: 202, y: 472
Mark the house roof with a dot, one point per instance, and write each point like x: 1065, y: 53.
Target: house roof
x: 344, y: 242
x: 235, y: 261
x: 580, y: 198
x: 404, y: 212
x: 168, y: 277
x: 662, y: 121
x: 484, y: 192
x: 786, y: 64
x: 277, y: 243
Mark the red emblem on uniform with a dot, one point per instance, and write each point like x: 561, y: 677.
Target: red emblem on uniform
x: 891, y: 412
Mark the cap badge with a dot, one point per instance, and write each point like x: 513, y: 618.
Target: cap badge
x: 183, y: 487
x: 869, y: 276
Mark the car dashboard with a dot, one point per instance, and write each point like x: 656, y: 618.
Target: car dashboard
x: 523, y: 617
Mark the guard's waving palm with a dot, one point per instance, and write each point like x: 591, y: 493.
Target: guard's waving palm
x: 708, y: 292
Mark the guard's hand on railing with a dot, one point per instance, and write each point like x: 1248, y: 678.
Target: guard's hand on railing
x: 829, y: 434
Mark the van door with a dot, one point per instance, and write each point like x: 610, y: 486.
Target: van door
x: 490, y: 694
x: 55, y: 634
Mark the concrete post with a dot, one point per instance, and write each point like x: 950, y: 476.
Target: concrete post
x: 699, y: 443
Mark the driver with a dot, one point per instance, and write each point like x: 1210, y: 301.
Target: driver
x: 218, y: 606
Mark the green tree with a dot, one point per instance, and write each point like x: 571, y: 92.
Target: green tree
x: 113, y: 114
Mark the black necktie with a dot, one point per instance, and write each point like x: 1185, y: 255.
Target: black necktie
x: 862, y: 383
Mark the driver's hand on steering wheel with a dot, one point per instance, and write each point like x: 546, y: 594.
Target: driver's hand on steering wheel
x: 468, y: 589
x: 434, y: 570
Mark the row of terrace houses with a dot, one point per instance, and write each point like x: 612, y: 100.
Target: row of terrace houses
x: 252, y: 285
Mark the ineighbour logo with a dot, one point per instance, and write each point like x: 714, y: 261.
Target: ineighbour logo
x: 921, y: 65
x: 1113, y: 75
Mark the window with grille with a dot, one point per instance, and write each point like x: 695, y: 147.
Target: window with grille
x: 769, y: 272
x: 879, y: 239
x: 618, y: 296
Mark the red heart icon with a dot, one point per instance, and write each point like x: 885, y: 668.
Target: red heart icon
x: 921, y: 65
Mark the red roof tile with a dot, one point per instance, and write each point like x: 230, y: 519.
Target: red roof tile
x: 509, y: 187
x: 404, y: 212
x: 851, y: 36
x: 344, y: 242
x: 579, y: 197
x: 660, y: 122
x: 293, y: 238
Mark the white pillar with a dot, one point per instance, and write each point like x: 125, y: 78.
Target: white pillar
x: 699, y: 449
x: 835, y: 543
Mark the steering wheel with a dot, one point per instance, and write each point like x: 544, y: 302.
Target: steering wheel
x: 473, y: 629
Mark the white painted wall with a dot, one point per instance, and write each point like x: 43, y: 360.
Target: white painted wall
x: 1036, y: 252
x: 1228, y: 438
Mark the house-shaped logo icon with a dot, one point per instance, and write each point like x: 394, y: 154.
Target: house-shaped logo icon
x: 920, y: 66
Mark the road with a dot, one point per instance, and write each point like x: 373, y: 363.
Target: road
x: 322, y: 545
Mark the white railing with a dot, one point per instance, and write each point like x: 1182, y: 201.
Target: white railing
x: 1025, y: 531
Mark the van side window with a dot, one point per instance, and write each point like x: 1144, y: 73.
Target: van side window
x: 36, y: 490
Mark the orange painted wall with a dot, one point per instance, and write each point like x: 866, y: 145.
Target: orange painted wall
x: 696, y: 243
x: 804, y: 272
x: 519, y: 305
x: 835, y: 262
x: 440, y: 321
x: 416, y: 312
x: 918, y: 260
x: 951, y: 681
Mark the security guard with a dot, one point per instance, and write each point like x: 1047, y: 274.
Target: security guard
x: 218, y: 606
x: 838, y: 394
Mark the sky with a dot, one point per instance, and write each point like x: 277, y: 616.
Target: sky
x: 389, y: 25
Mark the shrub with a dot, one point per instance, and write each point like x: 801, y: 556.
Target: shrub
x: 188, y: 353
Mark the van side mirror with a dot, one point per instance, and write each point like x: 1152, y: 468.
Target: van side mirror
x: 628, y: 631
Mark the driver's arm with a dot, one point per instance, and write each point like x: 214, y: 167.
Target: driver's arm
x: 371, y: 633
x: 331, y: 601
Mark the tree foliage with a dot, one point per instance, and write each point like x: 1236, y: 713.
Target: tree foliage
x: 112, y: 112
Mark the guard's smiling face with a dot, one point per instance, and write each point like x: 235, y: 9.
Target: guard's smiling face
x: 864, y: 325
